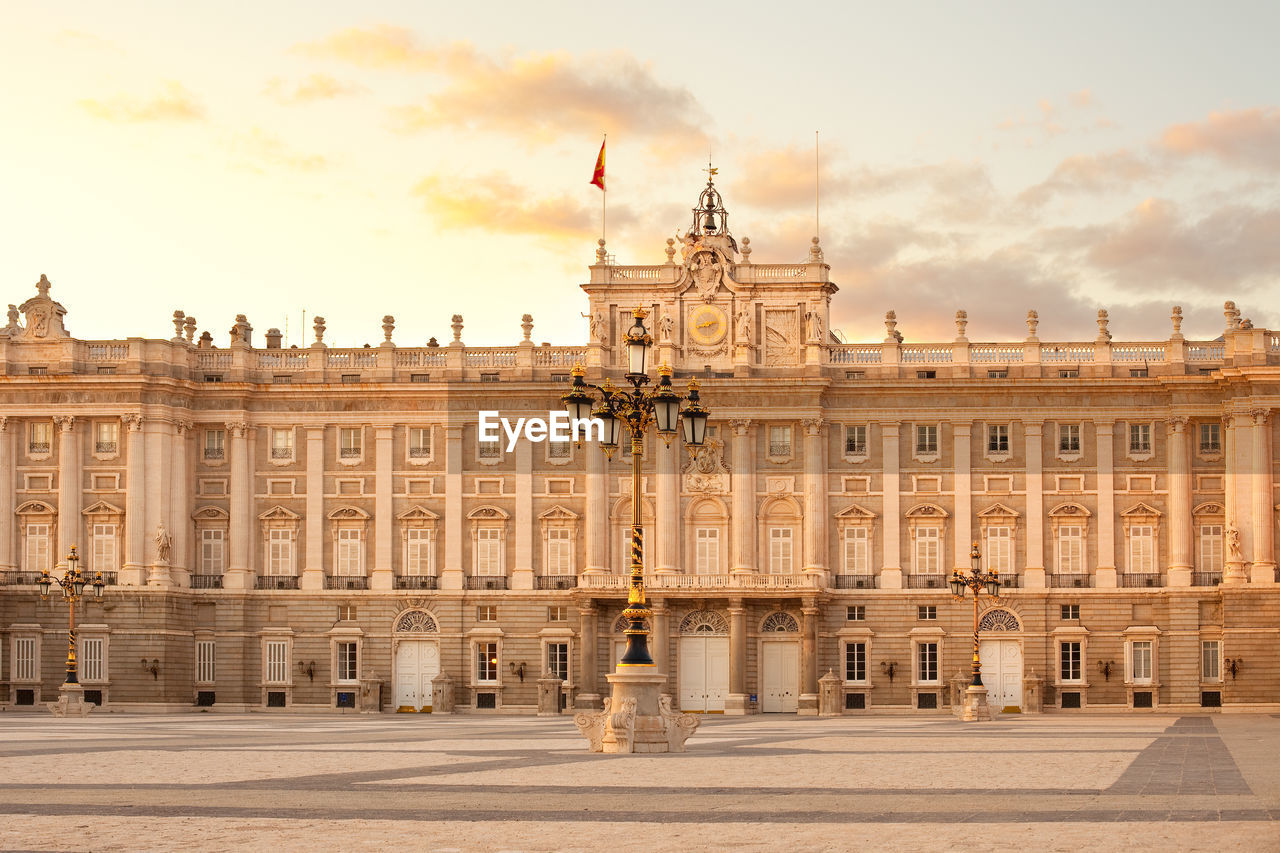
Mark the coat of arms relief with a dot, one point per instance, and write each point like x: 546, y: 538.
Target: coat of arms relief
x: 707, y: 471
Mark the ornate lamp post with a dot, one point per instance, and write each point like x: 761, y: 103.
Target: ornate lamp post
x: 637, y: 409
x: 975, y: 707
x: 72, y: 584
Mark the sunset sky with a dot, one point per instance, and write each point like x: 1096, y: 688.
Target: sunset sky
x: 423, y: 159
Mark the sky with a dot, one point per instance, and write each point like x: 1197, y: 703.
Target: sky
x: 422, y: 159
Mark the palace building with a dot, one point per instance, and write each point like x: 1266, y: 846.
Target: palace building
x: 322, y: 528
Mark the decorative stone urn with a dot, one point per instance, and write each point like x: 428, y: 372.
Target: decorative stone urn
x: 70, y: 702
x: 636, y: 718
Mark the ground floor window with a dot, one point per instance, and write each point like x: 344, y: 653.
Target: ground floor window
x: 558, y: 660
x: 855, y: 662
x: 1070, y: 664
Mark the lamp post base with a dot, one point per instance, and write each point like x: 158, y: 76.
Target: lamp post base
x: 975, y: 705
x: 636, y: 718
x: 70, y: 702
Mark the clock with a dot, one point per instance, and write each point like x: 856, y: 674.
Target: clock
x: 707, y: 325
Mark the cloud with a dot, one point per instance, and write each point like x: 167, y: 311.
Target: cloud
x: 1248, y: 139
x: 538, y: 96
x: 784, y: 177
x: 494, y: 203
x: 81, y: 40
x: 951, y: 190
x: 173, y: 103
x: 314, y: 87
x: 257, y: 150
x: 1114, y: 171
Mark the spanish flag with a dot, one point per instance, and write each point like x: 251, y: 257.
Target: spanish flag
x: 597, y: 177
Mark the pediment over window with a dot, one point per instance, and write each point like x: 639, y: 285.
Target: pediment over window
x: 559, y: 513
x: 36, y: 508
x: 926, y: 511
x: 1209, y: 508
x: 348, y: 513
x: 417, y: 513
x: 211, y: 513
x: 279, y: 513
x: 103, y: 508
x: 1069, y: 510
x: 1141, y: 510
x: 998, y: 511
x: 488, y: 513
x: 853, y: 512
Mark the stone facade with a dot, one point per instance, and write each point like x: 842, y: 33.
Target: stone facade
x: 322, y: 528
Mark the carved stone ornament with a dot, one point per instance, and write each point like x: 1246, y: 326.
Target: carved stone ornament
x: 999, y: 620
x: 707, y: 272
x: 43, y: 315
x: 707, y: 472
x: 416, y: 622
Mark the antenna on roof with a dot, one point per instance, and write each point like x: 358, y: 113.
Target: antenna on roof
x: 817, y: 221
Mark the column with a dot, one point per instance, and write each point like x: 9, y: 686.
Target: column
x: 451, y: 576
x: 743, y: 480
x: 133, y: 572
x: 669, y: 529
x: 737, y: 703
x: 522, y: 568
x: 596, y: 513
x: 1180, y: 563
x: 180, y: 505
x: 383, y: 576
x: 70, y: 524
x: 891, y: 567
x: 1264, y: 559
x: 156, y: 437
x: 238, y: 574
x: 313, y: 524
x: 962, y: 468
x: 1105, y: 573
x: 815, y: 498
x: 1236, y: 455
x: 1033, y: 574
x: 588, y: 696
x: 808, y: 706
x: 8, y: 541
x: 660, y: 640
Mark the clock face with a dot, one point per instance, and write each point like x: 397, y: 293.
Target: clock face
x: 707, y: 325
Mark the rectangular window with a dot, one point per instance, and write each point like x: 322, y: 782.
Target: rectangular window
x: 213, y: 552
x: 997, y: 438
x: 418, y: 551
x: 346, y: 613
x: 282, y: 444
x: 92, y: 665
x: 1142, y: 548
x: 280, y: 552
x: 41, y: 437
x: 780, y: 550
x: 855, y: 439
x: 350, y: 442
x: 104, y: 548
x: 559, y: 449
x: 1211, y: 547
x: 927, y: 611
x: 1070, y: 611
x: 106, y: 437
x: 1139, y: 438
x: 487, y: 613
x: 558, y: 660
x: 1140, y: 654
x: 1210, y: 660
x: 855, y: 613
x: 926, y: 438
x: 707, y: 550
x: 779, y: 441
x: 855, y: 662
x: 24, y: 659
x: 856, y: 557
x: 1210, y: 438
x: 927, y: 663
x: 419, y: 442
x: 999, y: 554
x: 37, y: 548
x: 557, y: 613
x: 490, y: 449
x: 276, y: 669
x: 205, y: 666
x: 1071, y: 549
x: 347, y: 657
x: 487, y: 663
x: 215, y: 443
x: 488, y: 551
x: 1070, y: 663
x: 349, y: 553
x: 1068, y: 438
x: 928, y: 551
x: 559, y: 551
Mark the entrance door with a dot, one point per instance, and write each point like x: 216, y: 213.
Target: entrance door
x: 1002, y: 673
x: 704, y: 673
x: 780, y: 677
x: 417, y: 664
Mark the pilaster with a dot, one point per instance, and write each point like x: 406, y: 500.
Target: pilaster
x: 668, y: 528
x: 1179, y: 502
x: 588, y: 696
x: 239, y: 575
x: 69, y: 491
x: 1105, y: 573
x: 1264, y: 560
x: 451, y: 576
x: 180, y: 504
x: 8, y: 541
x: 808, y: 704
x: 133, y: 572
x: 743, y: 479
x: 891, y: 567
x: 522, y: 569
x: 815, y: 498
x: 1033, y: 574
x: 158, y: 442
x: 313, y: 525
x: 962, y: 472
x: 383, y: 575
x: 596, y: 518
x: 737, y: 702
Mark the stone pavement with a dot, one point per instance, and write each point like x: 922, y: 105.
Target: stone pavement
x: 223, y: 782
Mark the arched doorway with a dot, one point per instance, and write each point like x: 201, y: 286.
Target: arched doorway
x: 703, y: 666
x: 416, y: 651
x: 779, y: 664
x: 1001, y: 658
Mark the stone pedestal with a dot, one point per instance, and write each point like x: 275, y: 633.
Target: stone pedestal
x: 1033, y: 579
x: 382, y: 579
x: 1179, y: 576
x: 975, y: 705
x: 1104, y: 578
x: 442, y: 694
x: 1262, y: 573
x: 829, y: 695
x: 549, y: 689
x: 1032, y: 694
x: 369, y: 697
x: 70, y: 702
x: 158, y: 575
x: 958, y: 683
x: 737, y: 705
x: 637, y: 718
x: 1234, y: 572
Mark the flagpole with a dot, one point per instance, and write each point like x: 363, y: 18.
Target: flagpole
x: 817, y: 220
x: 604, y: 200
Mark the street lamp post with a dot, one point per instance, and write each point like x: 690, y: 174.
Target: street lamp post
x: 71, y: 695
x: 978, y: 582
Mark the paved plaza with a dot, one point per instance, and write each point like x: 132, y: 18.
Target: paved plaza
x: 220, y: 782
